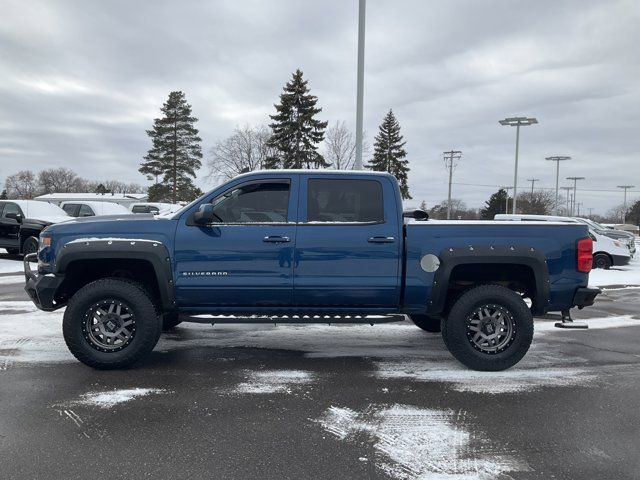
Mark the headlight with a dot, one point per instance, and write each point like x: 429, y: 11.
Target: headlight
x: 44, y: 242
x: 617, y: 244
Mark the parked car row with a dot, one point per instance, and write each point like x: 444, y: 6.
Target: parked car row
x: 610, y: 247
x: 21, y: 221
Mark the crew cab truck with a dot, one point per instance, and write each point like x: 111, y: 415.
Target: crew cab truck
x: 309, y: 247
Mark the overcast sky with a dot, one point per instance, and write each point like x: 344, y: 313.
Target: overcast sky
x: 81, y: 81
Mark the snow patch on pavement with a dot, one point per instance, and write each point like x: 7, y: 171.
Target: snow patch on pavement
x: 274, y: 381
x: 114, y: 397
x: 415, y: 443
x: 11, y: 279
x: 10, y: 266
x: 626, y: 275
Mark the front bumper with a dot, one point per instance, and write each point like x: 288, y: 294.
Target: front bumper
x: 41, y: 288
x: 620, y: 260
x: 585, y: 296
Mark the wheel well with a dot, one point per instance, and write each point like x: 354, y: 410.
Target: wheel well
x: 603, y: 253
x: 516, y: 277
x: 81, y: 272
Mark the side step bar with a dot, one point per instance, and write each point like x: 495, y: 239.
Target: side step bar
x: 567, y: 322
x: 292, y: 319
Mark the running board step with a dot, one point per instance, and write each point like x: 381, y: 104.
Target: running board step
x: 292, y: 319
x: 567, y: 322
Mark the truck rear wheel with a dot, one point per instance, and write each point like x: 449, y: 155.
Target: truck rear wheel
x: 489, y: 328
x: 426, y: 323
x: 111, y: 323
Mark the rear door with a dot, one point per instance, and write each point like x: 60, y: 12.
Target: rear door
x: 245, y: 259
x: 349, y: 242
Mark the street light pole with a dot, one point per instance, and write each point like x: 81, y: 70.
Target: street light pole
x: 360, y: 84
x: 517, y: 122
x: 575, y: 185
x: 449, y: 158
x: 557, y: 159
x: 624, y: 212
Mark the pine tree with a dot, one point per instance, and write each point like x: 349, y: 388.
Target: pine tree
x: 176, y: 150
x: 496, y: 204
x: 389, y: 153
x: 296, y: 131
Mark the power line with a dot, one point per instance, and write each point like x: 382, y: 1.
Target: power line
x: 449, y: 158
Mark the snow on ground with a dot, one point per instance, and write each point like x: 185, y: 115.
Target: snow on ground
x: 10, y: 264
x: 416, y: 443
x: 626, y: 275
x: 11, y: 279
x: 112, y: 398
x: 274, y: 381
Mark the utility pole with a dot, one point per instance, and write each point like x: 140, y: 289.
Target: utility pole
x: 624, y: 212
x: 575, y: 184
x: 557, y: 159
x: 506, y: 201
x: 449, y: 158
x: 360, y: 84
x: 517, y: 122
x: 533, y: 181
x: 578, y: 204
x: 590, y: 212
x: 568, y: 190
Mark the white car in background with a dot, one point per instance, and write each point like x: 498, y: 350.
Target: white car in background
x: 157, y: 208
x: 607, y: 252
x: 90, y: 209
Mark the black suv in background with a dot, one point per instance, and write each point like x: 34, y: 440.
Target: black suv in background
x: 21, y: 222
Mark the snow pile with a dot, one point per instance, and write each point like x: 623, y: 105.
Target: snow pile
x: 274, y: 381
x: 416, y: 443
x: 627, y: 275
x: 115, y: 397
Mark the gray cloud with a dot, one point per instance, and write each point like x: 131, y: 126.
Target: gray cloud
x: 80, y: 82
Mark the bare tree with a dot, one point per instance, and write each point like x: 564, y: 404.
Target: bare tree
x: 459, y: 211
x: 22, y: 185
x: 60, y: 180
x: 244, y: 151
x: 540, y: 202
x: 340, y: 146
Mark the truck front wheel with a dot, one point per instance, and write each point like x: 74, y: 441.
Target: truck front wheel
x: 111, y: 323
x: 426, y: 323
x: 489, y: 328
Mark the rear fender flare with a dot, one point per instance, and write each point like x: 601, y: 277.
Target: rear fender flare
x: 508, y: 255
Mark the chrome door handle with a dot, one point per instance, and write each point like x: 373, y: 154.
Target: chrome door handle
x: 381, y: 240
x: 276, y: 239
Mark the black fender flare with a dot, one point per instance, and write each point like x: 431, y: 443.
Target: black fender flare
x: 485, y: 254
x: 154, y: 252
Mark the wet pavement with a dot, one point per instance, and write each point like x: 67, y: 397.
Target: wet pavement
x: 321, y: 401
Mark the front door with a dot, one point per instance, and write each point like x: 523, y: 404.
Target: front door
x: 245, y: 258
x: 348, y: 246
x: 9, y: 227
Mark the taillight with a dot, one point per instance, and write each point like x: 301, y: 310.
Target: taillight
x: 584, y: 260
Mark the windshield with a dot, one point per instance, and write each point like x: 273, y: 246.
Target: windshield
x: 34, y: 209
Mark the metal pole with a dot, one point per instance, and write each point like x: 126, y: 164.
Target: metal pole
x: 557, y: 183
x: 360, y: 85
x: 449, y: 196
x: 515, y: 174
x: 624, y: 213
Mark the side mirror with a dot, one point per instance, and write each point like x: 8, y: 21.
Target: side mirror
x: 16, y: 216
x: 205, y: 214
x: 416, y: 214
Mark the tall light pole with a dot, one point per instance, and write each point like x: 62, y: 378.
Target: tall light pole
x: 360, y: 87
x: 575, y: 185
x: 568, y: 190
x: 449, y: 158
x: 624, y: 213
x: 533, y: 181
x: 517, y: 122
x: 557, y: 159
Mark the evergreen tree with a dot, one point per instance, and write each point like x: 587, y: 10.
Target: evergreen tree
x: 176, y: 151
x: 633, y: 214
x: 496, y: 204
x: 296, y: 131
x: 389, y: 153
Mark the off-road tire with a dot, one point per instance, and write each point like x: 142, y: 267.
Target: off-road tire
x: 30, y: 245
x: 602, y: 260
x: 170, y: 320
x: 456, y: 328
x: 148, y: 323
x: 426, y: 322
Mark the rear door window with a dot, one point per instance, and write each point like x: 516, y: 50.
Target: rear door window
x: 344, y: 201
x: 85, y: 211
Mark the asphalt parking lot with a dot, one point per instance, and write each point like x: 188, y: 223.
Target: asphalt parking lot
x: 388, y: 401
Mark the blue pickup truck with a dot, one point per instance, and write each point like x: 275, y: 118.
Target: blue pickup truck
x: 308, y: 247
